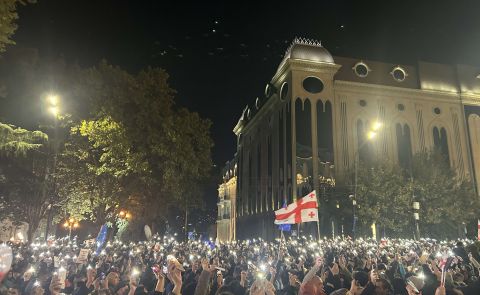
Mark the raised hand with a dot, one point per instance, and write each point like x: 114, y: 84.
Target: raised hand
x: 342, y: 262
x: 55, y: 285
x: 318, y: 262
x: 334, y: 269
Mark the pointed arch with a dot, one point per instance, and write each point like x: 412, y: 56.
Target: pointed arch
x: 404, y: 145
x: 440, y: 142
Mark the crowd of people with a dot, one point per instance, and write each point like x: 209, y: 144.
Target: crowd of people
x: 290, y: 266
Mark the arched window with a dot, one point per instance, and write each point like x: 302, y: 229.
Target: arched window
x: 325, y: 131
x: 270, y: 202
x: 281, y: 166
x: 288, y: 151
x: 404, y: 146
x: 441, y: 143
x: 364, y: 146
x: 303, y: 131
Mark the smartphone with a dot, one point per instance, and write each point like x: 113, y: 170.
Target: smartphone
x: 165, y: 269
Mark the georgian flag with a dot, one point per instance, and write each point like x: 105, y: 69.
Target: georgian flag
x: 478, y: 226
x: 303, y: 210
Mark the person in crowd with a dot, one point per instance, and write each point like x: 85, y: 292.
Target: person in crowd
x: 294, y: 266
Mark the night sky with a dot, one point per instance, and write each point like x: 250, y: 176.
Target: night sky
x: 221, y: 55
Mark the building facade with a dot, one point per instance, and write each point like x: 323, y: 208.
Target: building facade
x: 312, y: 123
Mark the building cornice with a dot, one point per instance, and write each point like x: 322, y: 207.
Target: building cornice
x: 303, y: 65
x: 387, y: 91
x: 470, y: 99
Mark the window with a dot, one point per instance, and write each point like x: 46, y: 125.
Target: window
x: 269, y: 90
x: 437, y: 111
x: 284, y: 91
x: 400, y: 107
x: 361, y: 69
x: 313, y: 85
x: 362, y: 103
x: 399, y: 74
x: 258, y: 103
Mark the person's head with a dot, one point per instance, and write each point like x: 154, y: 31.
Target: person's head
x: 359, y: 281
x: 35, y: 289
x: 293, y: 277
x: 313, y: 287
x: 383, y: 287
x: 458, y: 277
x: 224, y: 290
x: 121, y: 289
x: 13, y: 291
x: 113, y: 279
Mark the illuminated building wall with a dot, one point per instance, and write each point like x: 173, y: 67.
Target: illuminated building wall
x: 305, y: 131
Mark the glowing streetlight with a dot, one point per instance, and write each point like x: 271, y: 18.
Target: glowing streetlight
x: 377, y: 125
x: 371, y: 135
x: 54, y: 111
x: 70, y: 224
x: 124, y: 214
x: 52, y: 100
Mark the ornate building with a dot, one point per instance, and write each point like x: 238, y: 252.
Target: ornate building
x: 312, y: 123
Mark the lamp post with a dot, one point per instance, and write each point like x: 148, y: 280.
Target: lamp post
x: 354, y: 205
x: 416, y: 217
x: 70, y: 223
x: 53, y: 108
x: 371, y: 135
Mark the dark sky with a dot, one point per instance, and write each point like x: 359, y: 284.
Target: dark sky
x: 220, y: 55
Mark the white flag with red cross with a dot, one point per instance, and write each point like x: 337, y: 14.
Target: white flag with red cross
x: 478, y: 226
x: 303, y: 210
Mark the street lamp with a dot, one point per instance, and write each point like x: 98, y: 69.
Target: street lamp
x: 124, y: 214
x: 54, y: 109
x: 371, y: 135
x: 354, y: 205
x: 416, y: 216
x: 70, y: 224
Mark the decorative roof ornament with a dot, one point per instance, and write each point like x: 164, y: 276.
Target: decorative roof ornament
x: 302, y: 41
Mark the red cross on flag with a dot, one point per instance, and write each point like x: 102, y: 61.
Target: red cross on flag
x: 303, y: 210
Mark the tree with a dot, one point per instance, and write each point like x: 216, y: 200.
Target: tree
x: 155, y: 153
x: 446, y: 199
x: 386, y: 192
x: 383, y: 197
x: 24, y: 176
x: 89, y: 193
x: 8, y: 17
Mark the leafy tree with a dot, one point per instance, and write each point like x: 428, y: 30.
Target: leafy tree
x: 24, y: 176
x: 386, y: 192
x: 155, y: 154
x: 8, y: 17
x: 89, y: 193
x: 446, y: 200
x: 16, y: 142
x: 384, y: 197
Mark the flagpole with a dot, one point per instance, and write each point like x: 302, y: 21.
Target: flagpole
x: 280, y: 244
x: 318, y: 228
